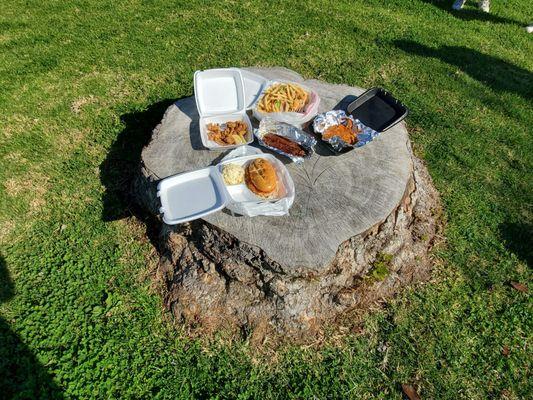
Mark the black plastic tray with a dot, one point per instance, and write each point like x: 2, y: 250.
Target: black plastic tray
x: 377, y: 109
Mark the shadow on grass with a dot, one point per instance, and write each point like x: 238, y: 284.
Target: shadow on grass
x: 471, y: 14
x: 118, y: 170
x: 21, y: 374
x: 120, y: 167
x: 518, y: 238
x: 493, y: 72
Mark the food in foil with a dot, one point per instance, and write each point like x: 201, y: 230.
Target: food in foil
x: 234, y: 132
x: 283, y: 97
x: 341, y: 130
x: 347, y: 132
x: 261, y: 178
x: 233, y: 174
x: 284, y: 144
x: 285, y: 139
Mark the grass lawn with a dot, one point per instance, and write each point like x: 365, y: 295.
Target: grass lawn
x: 79, y: 316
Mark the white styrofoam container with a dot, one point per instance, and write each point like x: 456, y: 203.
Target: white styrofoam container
x: 192, y: 195
x: 289, y: 117
x: 241, y: 194
x: 253, y: 87
x: 220, y: 97
x: 221, y: 119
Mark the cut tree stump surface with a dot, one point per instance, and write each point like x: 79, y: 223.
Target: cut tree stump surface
x: 361, y: 228
x: 337, y: 196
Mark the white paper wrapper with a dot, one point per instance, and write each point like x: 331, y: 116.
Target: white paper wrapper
x: 269, y: 125
x: 338, y: 117
x: 251, y: 209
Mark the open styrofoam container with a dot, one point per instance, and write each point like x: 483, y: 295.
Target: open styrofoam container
x: 253, y: 87
x: 220, y: 98
x: 192, y: 195
x: 289, y: 117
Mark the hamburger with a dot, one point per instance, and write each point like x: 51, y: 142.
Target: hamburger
x: 260, y: 177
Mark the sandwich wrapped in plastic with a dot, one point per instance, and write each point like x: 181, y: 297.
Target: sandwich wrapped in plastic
x: 264, y: 207
x: 330, y: 119
x: 285, y: 106
x: 299, y: 146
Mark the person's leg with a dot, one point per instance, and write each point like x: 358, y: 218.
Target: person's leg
x: 458, y: 4
x: 484, y: 5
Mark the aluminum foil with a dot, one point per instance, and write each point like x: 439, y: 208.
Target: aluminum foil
x: 338, y: 117
x: 269, y: 125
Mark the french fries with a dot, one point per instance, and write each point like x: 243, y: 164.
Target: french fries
x: 283, y: 97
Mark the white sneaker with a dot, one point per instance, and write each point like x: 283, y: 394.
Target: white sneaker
x: 529, y: 28
x: 458, y: 4
x: 484, y: 5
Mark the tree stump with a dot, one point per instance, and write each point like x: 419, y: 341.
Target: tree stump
x: 361, y: 227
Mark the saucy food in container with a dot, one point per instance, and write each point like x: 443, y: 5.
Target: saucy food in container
x: 285, y: 139
x: 221, y: 103
x: 192, y: 195
x: 342, y: 131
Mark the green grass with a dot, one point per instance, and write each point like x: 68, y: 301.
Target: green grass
x: 84, y: 81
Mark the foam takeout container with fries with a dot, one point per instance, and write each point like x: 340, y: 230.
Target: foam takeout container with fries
x: 297, y: 118
x: 225, y: 94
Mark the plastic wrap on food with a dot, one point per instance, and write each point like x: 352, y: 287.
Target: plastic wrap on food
x: 354, y: 132
x: 297, y: 118
x: 265, y: 207
x: 285, y: 139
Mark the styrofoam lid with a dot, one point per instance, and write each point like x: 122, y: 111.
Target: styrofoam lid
x: 191, y: 195
x: 253, y: 87
x: 219, y: 91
